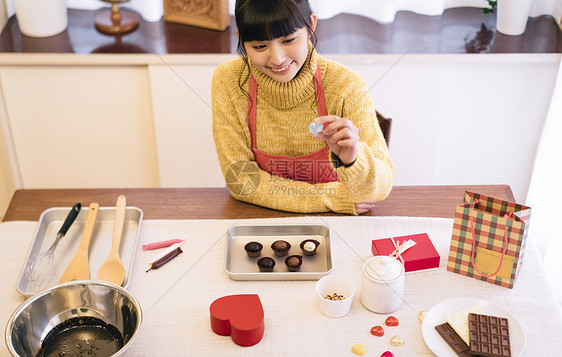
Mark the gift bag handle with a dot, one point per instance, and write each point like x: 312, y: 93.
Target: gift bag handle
x: 508, y: 215
x: 474, y: 250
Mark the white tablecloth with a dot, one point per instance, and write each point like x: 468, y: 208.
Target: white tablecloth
x: 176, y: 298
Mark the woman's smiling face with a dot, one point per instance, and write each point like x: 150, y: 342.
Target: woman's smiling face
x: 283, y: 57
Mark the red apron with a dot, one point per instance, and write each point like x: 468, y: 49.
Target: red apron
x: 311, y: 168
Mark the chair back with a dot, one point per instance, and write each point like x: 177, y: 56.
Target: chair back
x: 385, y: 124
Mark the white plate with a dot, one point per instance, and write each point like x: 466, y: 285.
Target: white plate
x: 437, y: 314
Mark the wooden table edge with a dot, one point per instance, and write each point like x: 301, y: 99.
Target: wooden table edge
x: 216, y: 202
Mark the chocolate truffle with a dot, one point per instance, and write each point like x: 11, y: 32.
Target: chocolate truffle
x: 293, y: 262
x: 281, y: 248
x: 253, y: 249
x: 266, y: 264
x: 309, y: 246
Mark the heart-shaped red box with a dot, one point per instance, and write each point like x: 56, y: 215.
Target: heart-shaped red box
x: 240, y: 316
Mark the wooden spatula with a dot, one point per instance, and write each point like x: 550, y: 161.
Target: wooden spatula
x: 79, y: 267
x: 113, y: 270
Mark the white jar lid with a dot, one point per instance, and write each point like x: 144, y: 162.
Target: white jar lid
x: 384, y: 268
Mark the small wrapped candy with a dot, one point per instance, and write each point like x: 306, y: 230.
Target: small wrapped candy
x: 315, y: 128
x: 421, y: 316
x: 391, y: 321
x: 387, y: 354
x: 377, y: 331
x: 397, y: 341
x: 358, y: 349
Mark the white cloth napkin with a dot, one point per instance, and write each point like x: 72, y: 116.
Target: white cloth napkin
x: 176, y: 298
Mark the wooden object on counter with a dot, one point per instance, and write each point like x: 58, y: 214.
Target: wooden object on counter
x: 216, y: 203
x: 115, y: 21
x: 210, y: 14
x: 341, y: 34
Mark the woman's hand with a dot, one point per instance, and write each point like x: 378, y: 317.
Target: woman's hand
x: 362, y: 207
x: 341, y: 136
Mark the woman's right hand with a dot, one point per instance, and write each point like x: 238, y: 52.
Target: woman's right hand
x: 341, y: 136
x: 363, y: 207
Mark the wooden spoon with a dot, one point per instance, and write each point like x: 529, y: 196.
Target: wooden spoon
x: 79, y: 267
x: 113, y: 270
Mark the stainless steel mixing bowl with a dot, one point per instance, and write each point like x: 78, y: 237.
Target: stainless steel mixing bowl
x: 35, y: 317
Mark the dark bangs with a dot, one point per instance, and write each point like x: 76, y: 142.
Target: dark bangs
x: 266, y: 20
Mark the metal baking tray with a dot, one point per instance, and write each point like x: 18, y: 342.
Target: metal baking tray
x: 51, y: 221
x: 240, y: 266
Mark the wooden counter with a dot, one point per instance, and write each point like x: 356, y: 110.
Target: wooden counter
x: 458, y: 30
x: 216, y: 203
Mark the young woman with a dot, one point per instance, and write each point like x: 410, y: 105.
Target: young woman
x: 264, y: 102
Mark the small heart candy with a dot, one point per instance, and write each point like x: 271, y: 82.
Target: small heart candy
x: 377, y: 331
x: 387, y: 354
x: 240, y: 316
x: 397, y: 341
x: 358, y: 349
x: 421, y: 316
x: 391, y: 321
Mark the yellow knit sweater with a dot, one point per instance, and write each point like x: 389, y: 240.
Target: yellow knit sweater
x: 284, y: 111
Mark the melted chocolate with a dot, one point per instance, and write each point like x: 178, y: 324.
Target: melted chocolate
x: 82, y: 336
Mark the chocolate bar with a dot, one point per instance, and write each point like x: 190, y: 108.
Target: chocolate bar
x: 453, y: 339
x: 489, y: 335
x: 459, y: 322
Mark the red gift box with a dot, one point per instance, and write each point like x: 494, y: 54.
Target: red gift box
x: 420, y: 257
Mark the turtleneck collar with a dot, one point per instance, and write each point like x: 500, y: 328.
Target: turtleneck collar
x: 292, y: 93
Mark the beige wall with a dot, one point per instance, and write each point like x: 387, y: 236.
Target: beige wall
x: 87, y: 126
x: 7, y: 175
x: 3, y: 15
x: 6, y: 187
x: 144, y: 121
x: 5, y: 190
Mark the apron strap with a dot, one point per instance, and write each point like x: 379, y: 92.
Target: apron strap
x: 320, y: 100
x: 252, y: 94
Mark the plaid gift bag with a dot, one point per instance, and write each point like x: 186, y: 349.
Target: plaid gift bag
x: 488, y: 239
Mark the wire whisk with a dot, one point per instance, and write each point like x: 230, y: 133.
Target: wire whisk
x: 40, y: 268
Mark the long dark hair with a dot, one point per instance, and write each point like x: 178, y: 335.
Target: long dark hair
x: 264, y: 20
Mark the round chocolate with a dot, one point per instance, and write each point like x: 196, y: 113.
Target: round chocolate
x: 266, y: 264
x: 309, y: 246
x: 293, y: 262
x: 281, y: 247
x: 253, y: 249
